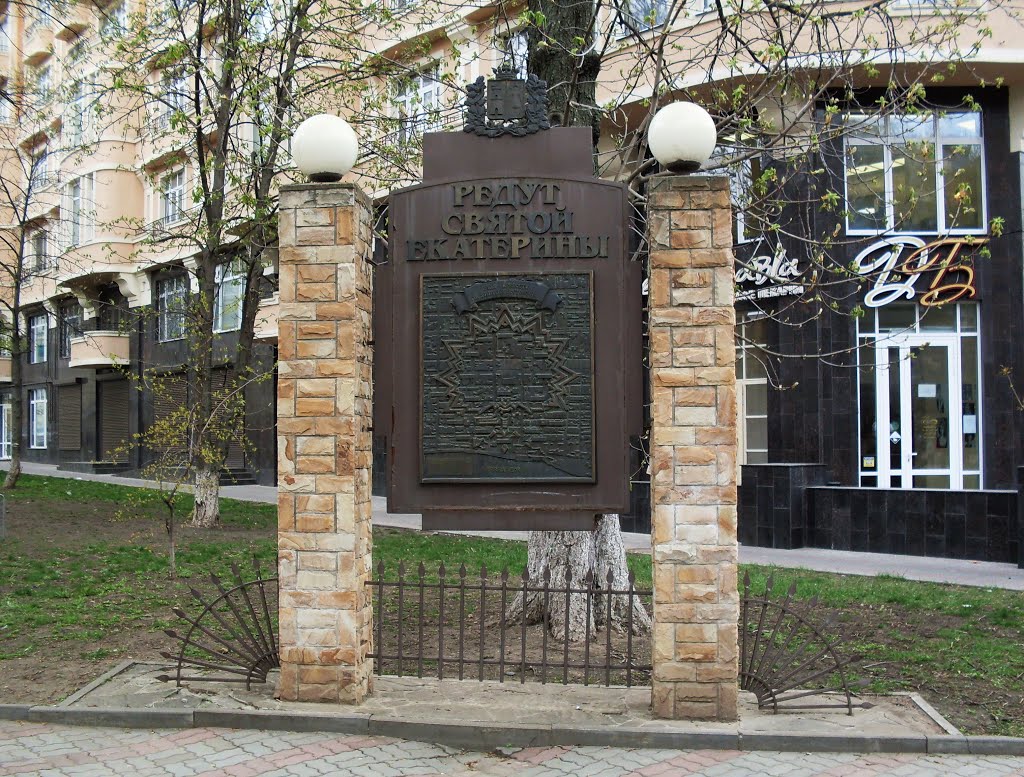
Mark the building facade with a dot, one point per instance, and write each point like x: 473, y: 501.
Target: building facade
x: 877, y: 338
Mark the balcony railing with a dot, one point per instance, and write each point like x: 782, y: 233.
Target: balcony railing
x: 99, y: 349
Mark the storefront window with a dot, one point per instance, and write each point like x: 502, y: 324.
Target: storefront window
x: 917, y: 173
x: 919, y: 389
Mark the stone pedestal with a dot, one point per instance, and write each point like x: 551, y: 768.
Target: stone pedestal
x: 693, y: 449
x: 324, y: 443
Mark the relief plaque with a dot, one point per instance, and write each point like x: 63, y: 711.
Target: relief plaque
x: 507, y: 380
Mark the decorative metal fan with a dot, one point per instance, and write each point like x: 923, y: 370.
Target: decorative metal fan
x: 234, y: 635
x: 784, y: 657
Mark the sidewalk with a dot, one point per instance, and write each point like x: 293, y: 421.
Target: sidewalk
x: 937, y: 570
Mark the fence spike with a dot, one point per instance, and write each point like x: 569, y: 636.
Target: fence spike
x: 422, y: 571
x: 568, y: 577
x: 401, y: 569
x: 631, y: 577
x: 526, y: 575
x: 441, y: 570
x: 380, y: 568
x: 462, y: 570
x: 483, y: 571
x: 547, y: 575
x: 611, y: 579
x: 504, y: 574
x: 588, y: 579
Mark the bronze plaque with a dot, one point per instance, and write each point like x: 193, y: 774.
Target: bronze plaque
x: 507, y: 336
x: 507, y: 383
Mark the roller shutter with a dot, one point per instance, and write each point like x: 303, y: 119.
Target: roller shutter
x: 113, y: 420
x: 69, y: 417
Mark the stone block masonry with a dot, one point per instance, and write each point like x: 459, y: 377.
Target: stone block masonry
x: 324, y: 411
x: 693, y: 449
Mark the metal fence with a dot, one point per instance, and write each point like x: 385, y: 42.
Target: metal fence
x: 447, y: 624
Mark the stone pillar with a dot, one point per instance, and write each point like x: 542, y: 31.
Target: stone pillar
x: 693, y: 449
x: 324, y: 443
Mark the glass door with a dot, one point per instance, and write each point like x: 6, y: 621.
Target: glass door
x: 920, y: 426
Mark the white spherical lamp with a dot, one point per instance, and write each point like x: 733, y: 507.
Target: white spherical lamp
x: 682, y: 136
x: 325, y: 147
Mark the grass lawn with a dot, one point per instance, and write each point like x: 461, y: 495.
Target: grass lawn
x: 83, y: 583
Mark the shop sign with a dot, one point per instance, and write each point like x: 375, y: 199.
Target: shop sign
x: 897, y: 265
x: 768, y: 273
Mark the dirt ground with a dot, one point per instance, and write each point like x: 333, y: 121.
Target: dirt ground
x: 42, y: 666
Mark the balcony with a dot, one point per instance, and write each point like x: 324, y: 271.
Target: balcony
x: 5, y: 369
x: 99, y: 349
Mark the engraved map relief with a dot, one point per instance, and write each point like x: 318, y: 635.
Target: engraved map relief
x: 507, y: 378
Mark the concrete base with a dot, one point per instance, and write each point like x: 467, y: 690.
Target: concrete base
x: 472, y: 714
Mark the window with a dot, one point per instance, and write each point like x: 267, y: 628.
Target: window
x: 175, y: 99
x: 37, y: 13
x: 40, y: 172
x: 419, y: 103
x: 39, y: 83
x: 171, y: 298
x: 5, y: 37
x: 915, y: 173
x: 172, y: 197
x: 78, y: 121
x: 749, y: 186
x: 37, y: 258
x: 643, y: 14
x: 517, y: 53
x: 70, y: 326
x: 752, y: 390
x: 78, y: 210
x: 37, y: 339
x: 397, y: 6
x: 228, y: 295
x: 37, y: 418
x: 114, y: 20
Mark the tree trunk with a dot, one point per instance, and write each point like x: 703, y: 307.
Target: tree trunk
x: 172, y: 563
x: 207, y: 495
x: 610, y: 562
x: 557, y: 558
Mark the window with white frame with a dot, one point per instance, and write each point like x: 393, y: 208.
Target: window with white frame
x: 397, y: 6
x: 37, y: 418
x: 37, y: 257
x: 752, y: 390
x: 229, y: 291
x: 643, y: 14
x: 175, y: 99
x: 172, y: 197
x: 418, y: 103
x: 171, y: 299
x: 114, y: 19
x: 37, y: 339
x: 78, y: 122
x: 40, y: 172
x: 78, y: 210
x: 39, y: 83
x: 920, y: 173
x: 38, y: 13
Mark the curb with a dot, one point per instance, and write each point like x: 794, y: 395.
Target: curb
x: 482, y: 735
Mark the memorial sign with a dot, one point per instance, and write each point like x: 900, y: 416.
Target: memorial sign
x: 508, y: 328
